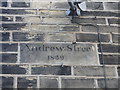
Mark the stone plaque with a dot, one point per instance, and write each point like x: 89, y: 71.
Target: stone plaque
x: 59, y: 53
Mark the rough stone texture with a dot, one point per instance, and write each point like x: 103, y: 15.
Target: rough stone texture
x: 110, y: 59
x: 48, y: 82
x: 8, y: 58
x: 110, y: 83
x: 94, y: 71
x: 102, y: 29
x: 109, y: 48
x: 51, y: 70
x: 7, y: 82
x: 27, y: 82
x: 89, y: 20
x: 60, y: 37
x: 27, y: 36
x: 57, y: 21
x: 14, y: 26
x: 115, y: 38
x: 112, y: 5
x: 77, y: 83
x: 14, y: 69
x: 8, y: 47
x: 5, y: 36
x: 80, y: 37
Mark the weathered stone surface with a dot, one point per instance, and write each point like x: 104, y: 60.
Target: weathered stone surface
x: 59, y: 53
x: 8, y: 47
x: 51, y: 70
x: 115, y: 38
x: 57, y: 21
x: 110, y: 59
x: 14, y: 69
x: 7, y: 82
x: 82, y: 37
x: 110, y: 83
x: 94, y: 71
x: 112, y: 5
x: 27, y: 82
x: 102, y: 29
x: 8, y: 58
x: 28, y: 36
x: 109, y: 48
x: 94, y: 5
x: 48, y: 82
x: 77, y: 83
x: 60, y: 37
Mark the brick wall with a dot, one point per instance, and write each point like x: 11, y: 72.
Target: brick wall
x: 46, y: 22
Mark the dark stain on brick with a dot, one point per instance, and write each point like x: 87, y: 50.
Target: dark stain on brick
x: 5, y: 36
x: 20, y: 4
x: 53, y: 70
x: 7, y: 47
x: 13, y: 26
x: 13, y: 69
x: 7, y: 82
x: 110, y: 59
x: 25, y: 82
x: 8, y: 58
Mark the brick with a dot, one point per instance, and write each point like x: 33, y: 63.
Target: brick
x: 41, y: 4
x: 9, y: 58
x: 94, y: 5
x: 44, y: 28
x: 118, y: 71
x: 26, y: 36
x: 60, y: 37
x: 69, y: 28
x: 51, y: 70
x: 88, y: 20
x: 111, y: 83
x: 6, y: 18
x: 80, y: 37
x: 100, y: 13
x: 57, y: 13
x: 57, y: 21
x: 18, y: 11
x: 59, y: 5
x: 4, y: 4
x: 48, y: 82
x: 115, y: 38
x: 110, y: 59
x: 52, y: 13
x: 77, y: 83
x: 20, y: 4
x: 14, y: 69
x: 14, y: 26
x: 94, y: 71
x: 26, y: 82
x: 109, y: 48
x: 102, y: 29
x: 8, y: 47
x: 5, y: 36
x: 7, y: 82
x: 32, y: 19
x: 114, y: 21
x: 112, y: 5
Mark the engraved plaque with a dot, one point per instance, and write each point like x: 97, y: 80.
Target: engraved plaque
x: 59, y: 53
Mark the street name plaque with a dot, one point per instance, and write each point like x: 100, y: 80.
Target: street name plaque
x: 59, y: 53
